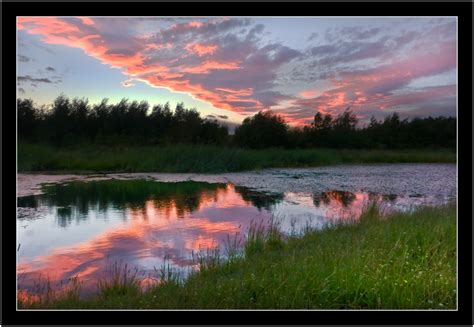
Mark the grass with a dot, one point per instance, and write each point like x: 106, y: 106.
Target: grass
x: 205, y: 159
x: 399, y: 261
x: 120, y: 192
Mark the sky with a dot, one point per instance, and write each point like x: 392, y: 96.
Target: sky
x: 229, y: 68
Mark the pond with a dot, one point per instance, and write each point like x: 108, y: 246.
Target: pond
x: 84, y: 227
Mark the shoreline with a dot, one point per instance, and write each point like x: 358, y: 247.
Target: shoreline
x: 208, y: 159
x: 345, y: 177
x: 361, y: 276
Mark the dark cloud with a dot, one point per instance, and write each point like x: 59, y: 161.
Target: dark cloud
x: 270, y: 97
x: 346, y: 48
x: 406, y: 37
x: 355, y: 33
x: 21, y: 90
x: 326, y: 61
x: 388, y: 86
x: 205, y: 29
x: 352, y: 51
x: 322, y: 50
x: 313, y: 36
x: 254, y: 31
x: 22, y: 58
x: 223, y: 116
x: 359, y: 33
x: 443, y: 107
x: 50, y: 69
x: 123, y: 51
x: 218, y: 27
x: 28, y: 78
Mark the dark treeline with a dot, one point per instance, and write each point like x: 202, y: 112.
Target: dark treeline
x: 75, y: 121
x: 127, y: 122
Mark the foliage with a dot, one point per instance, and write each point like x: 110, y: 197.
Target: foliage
x: 390, y: 133
x: 204, y: 158
x: 72, y: 122
x: 76, y: 121
x: 263, y: 130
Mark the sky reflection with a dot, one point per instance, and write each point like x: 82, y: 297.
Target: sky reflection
x: 83, y: 228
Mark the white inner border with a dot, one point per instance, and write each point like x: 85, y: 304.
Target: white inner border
x: 300, y: 17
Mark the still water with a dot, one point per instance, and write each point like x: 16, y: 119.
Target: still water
x: 82, y: 228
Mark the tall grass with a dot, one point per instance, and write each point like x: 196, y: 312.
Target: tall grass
x: 122, y: 281
x: 397, y: 261
x: 203, y: 158
x: 43, y: 294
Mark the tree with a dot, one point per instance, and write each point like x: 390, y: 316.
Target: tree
x: 76, y: 121
x: 327, y: 122
x: 264, y: 129
x: 27, y: 116
x: 317, y: 123
x: 345, y: 121
x: 79, y: 114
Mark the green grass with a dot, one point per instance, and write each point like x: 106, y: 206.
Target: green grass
x: 403, y: 261
x: 205, y: 159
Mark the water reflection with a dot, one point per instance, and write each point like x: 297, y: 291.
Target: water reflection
x: 258, y: 199
x: 87, y: 225
x: 74, y: 201
x: 346, y: 199
x: 341, y: 197
x: 78, y: 229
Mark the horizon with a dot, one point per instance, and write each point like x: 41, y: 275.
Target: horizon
x: 235, y: 67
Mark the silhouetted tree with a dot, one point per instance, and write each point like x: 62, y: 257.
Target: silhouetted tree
x: 75, y: 121
x: 264, y: 129
x: 27, y: 118
x: 345, y: 121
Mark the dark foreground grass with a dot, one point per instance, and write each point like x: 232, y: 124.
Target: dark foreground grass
x: 205, y: 159
x: 406, y: 261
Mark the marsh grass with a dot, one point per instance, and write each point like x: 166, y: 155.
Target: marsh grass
x: 205, y: 158
x: 261, y: 237
x: 121, y: 281
x: 393, y: 261
x: 44, y: 294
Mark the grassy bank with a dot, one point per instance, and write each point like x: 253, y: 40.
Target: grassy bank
x: 406, y: 261
x: 205, y: 159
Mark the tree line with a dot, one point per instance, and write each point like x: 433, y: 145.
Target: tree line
x: 75, y: 121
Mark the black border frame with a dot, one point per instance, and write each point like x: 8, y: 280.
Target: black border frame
x: 462, y: 10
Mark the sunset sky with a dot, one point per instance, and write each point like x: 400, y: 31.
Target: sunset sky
x: 232, y: 67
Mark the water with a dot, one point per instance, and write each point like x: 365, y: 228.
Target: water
x: 82, y: 228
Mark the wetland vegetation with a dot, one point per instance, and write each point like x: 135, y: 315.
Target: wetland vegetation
x: 400, y: 261
x: 73, y: 135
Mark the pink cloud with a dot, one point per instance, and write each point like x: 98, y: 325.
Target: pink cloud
x: 152, y: 46
x: 209, y: 65
x: 45, y: 25
x: 308, y: 94
x: 86, y: 20
x: 138, y: 61
x: 202, y: 58
x: 374, y: 87
x: 201, y: 49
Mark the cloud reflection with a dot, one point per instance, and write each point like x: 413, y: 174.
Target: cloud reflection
x: 150, y: 222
